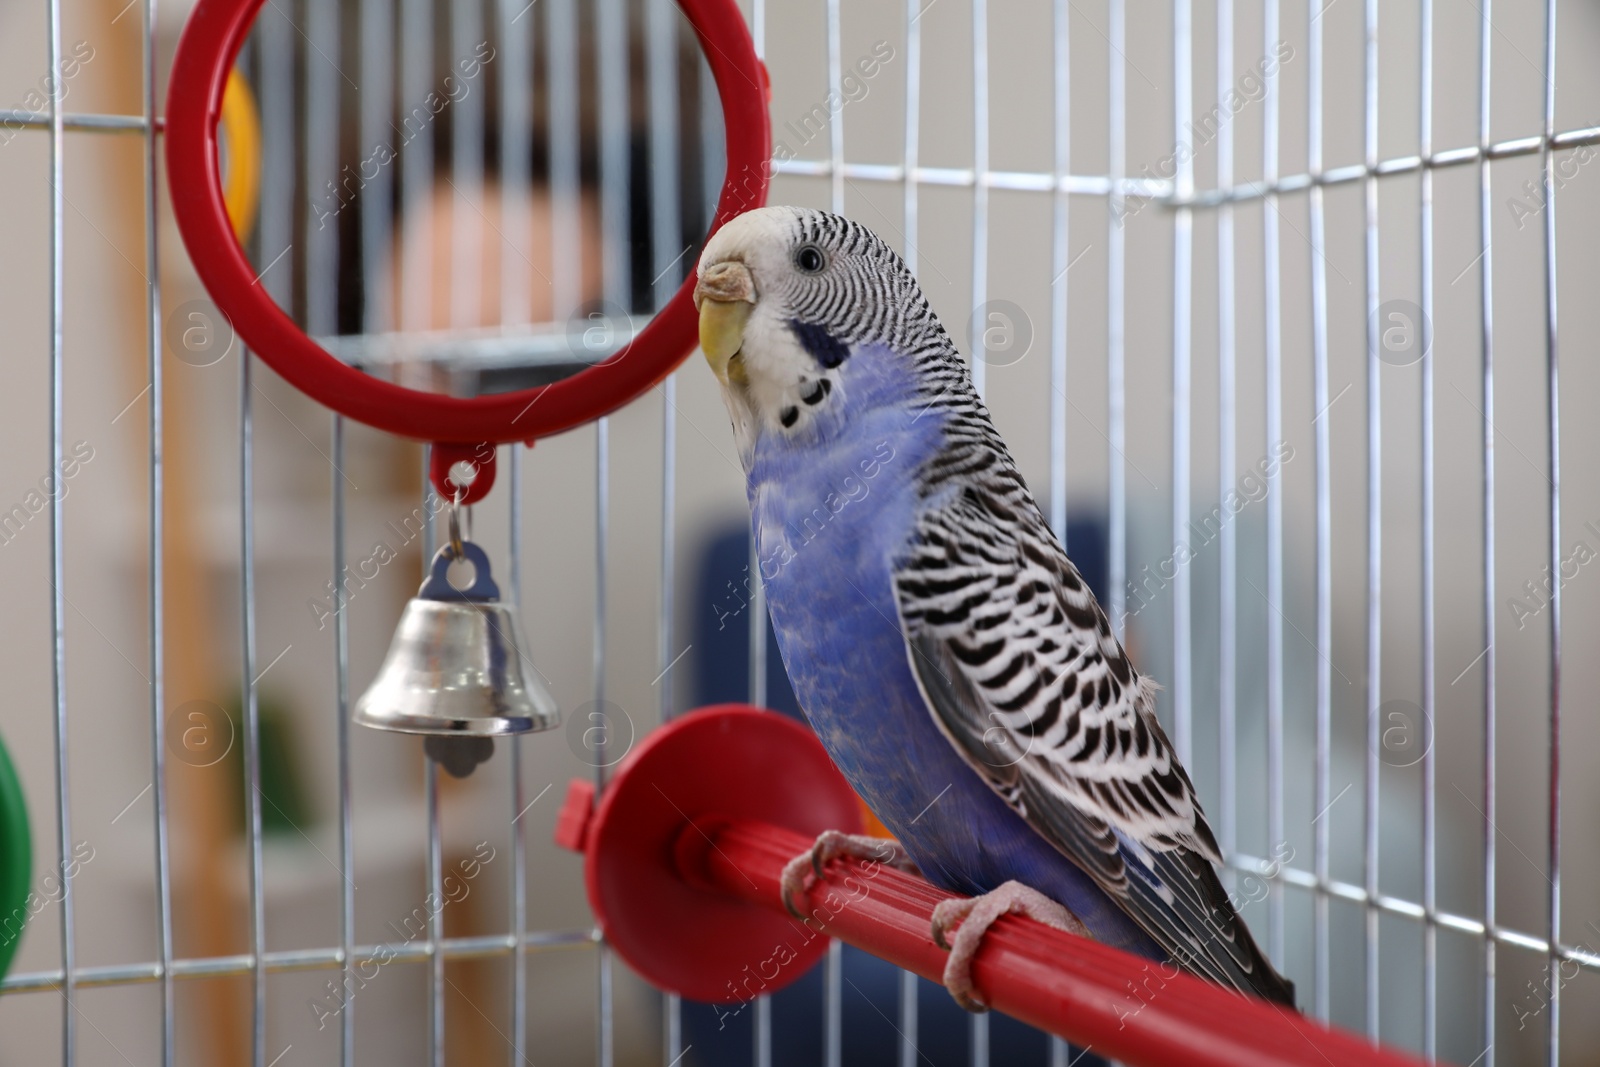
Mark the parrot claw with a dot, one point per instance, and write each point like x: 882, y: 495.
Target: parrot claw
x: 975, y: 915
x: 805, y: 870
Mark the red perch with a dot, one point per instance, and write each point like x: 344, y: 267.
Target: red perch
x: 682, y: 858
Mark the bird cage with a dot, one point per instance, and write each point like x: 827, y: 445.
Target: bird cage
x: 1265, y: 297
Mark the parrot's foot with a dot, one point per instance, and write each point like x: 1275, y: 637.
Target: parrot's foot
x: 976, y: 915
x: 802, y: 872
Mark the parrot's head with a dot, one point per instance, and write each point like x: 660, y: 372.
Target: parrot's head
x: 786, y: 297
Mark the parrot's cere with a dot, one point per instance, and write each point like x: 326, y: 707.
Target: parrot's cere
x: 948, y: 653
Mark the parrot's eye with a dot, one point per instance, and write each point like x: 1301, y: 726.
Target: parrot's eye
x: 809, y: 259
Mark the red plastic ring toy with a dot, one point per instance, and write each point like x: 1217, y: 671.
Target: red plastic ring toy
x: 211, y: 40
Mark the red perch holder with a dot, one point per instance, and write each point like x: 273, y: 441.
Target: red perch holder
x: 685, y: 847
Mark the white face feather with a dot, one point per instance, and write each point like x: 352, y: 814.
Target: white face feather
x: 777, y: 372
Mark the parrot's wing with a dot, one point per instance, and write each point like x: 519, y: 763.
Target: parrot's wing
x: 1020, y: 670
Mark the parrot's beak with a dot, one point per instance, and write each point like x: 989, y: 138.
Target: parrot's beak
x: 725, y: 295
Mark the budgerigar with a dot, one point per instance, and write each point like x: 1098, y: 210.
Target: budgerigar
x: 949, y: 655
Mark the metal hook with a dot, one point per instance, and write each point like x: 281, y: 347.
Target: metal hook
x: 456, y: 550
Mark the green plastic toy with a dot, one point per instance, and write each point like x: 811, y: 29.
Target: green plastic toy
x: 16, y: 861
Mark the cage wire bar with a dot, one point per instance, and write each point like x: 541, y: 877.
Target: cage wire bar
x: 272, y: 61
x: 1182, y: 293
x: 1116, y: 282
x: 58, y: 636
x: 1227, y: 436
x: 1321, y: 950
x: 157, y: 545
x: 1273, y: 360
x: 1490, y: 712
x: 1059, y: 265
x: 1374, y: 506
x: 978, y: 1024
x: 1553, y: 416
x: 1430, y: 898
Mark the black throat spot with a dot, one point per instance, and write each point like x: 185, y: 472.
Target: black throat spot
x: 825, y: 348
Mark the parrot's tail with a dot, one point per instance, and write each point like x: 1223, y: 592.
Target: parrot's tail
x: 1275, y: 987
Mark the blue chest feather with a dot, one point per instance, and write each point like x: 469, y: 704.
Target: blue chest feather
x: 832, y: 506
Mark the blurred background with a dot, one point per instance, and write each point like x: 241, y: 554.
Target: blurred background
x: 473, y: 197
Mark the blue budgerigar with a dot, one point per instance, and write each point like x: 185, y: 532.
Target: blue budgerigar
x: 949, y: 655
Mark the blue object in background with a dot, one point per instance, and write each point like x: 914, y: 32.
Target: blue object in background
x: 724, y: 1035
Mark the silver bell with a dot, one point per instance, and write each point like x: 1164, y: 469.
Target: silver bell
x: 456, y: 669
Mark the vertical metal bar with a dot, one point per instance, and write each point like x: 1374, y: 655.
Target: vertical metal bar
x: 713, y: 152
x: 1273, y: 387
x: 612, y: 45
x: 280, y: 184
x: 323, y: 108
x: 430, y: 535
x: 606, y: 1048
x: 908, y: 1020
x: 757, y: 635
x: 566, y: 244
x: 761, y: 1037
x: 978, y: 1024
x: 58, y: 594
x: 908, y: 981
x: 1059, y: 265
x: 762, y: 1023
x: 666, y: 235
x: 980, y: 197
x: 1490, y: 712
x: 913, y: 131
x: 1553, y: 374
x: 416, y: 163
x: 612, y: 51
x: 833, y: 1017
x: 341, y: 667
x: 516, y: 163
x: 1430, y: 879
x: 280, y: 150
x: 1227, y: 446
x: 158, y: 680
x: 666, y: 232
x: 756, y: 631
x: 1321, y: 947
x: 1182, y: 358
x: 1374, y: 519
x: 1117, y: 554
x: 836, y: 127
x: 673, y: 1035
x: 377, y: 195
x: 430, y: 785
x: 466, y: 173
x: 436, y: 916
x: 321, y: 168
x: 674, y: 1028
x: 757, y: 654
x: 519, y: 830
x: 252, y: 719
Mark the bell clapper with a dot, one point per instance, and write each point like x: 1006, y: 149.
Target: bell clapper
x: 459, y: 756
